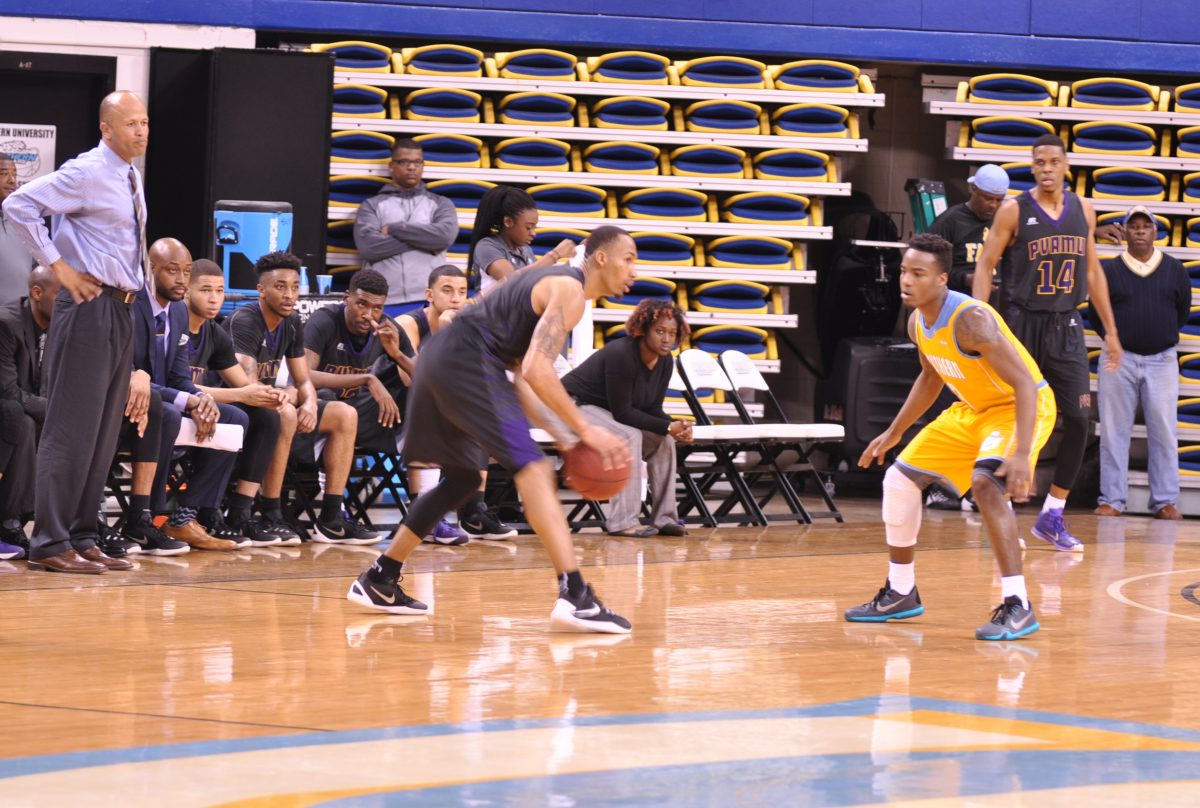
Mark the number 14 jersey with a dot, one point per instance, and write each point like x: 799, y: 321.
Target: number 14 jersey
x: 1045, y: 268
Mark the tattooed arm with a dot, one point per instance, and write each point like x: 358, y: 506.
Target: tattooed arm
x: 977, y: 333
x: 559, y: 300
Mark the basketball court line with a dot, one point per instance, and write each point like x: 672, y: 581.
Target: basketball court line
x: 1114, y: 591
x: 136, y: 714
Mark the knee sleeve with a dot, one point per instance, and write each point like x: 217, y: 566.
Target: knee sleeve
x: 457, y: 486
x: 1070, y: 451
x: 901, y: 508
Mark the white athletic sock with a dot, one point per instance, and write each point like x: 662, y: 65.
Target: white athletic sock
x: 1053, y: 502
x: 1014, y: 585
x: 902, y: 576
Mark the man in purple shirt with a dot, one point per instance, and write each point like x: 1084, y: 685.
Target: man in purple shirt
x: 97, y: 252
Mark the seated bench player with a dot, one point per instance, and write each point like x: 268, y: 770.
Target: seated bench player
x: 267, y: 336
x: 216, y: 371
x: 446, y: 293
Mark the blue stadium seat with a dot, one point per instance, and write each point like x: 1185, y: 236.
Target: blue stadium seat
x: 1011, y: 89
x: 1189, y: 368
x: 452, y: 151
x: 1192, y: 231
x: 1189, y: 461
x: 676, y: 204
x: 629, y: 67
x: 793, y: 164
x: 1188, y: 142
x: 726, y: 115
x: 1193, y: 270
x: 1190, y: 333
x: 811, y: 120
x: 568, y: 199
x: 465, y: 194
x: 748, y: 339
x: 767, y: 207
x: 359, y: 101
x: 440, y: 60
x: 1114, y: 94
x: 1127, y: 182
x: 815, y: 75
x: 755, y: 252
x: 734, y: 297
x: 462, y: 244
x: 535, y: 64
x: 537, y: 109
x: 349, y: 190
x: 643, y: 288
x: 358, y: 56
x: 442, y: 104
x: 630, y: 112
x: 340, y: 236
x: 1188, y: 413
x: 532, y: 154
x: 621, y: 157
x: 1113, y: 137
x: 667, y: 249
x: 708, y: 160
x: 1191, y: 188
x: 1007, y: 132
x: 1187, y: 97
x: 721, y: 71
x: 361, y: 146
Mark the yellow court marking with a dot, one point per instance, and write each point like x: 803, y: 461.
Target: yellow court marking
x: 1114, y: 591
x: 1057, y: 737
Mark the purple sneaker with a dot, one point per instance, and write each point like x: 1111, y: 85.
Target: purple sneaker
x: 446, y: 533
x: 10, y: 552
x: 1052, y: 528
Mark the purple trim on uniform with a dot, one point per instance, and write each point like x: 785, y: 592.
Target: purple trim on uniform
x: 1062, y: 214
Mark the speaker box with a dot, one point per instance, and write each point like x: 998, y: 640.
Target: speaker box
x: 232, y: 124
x: 871, y: 379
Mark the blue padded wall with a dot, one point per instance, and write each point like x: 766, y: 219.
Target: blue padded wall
x: 1119, y: 36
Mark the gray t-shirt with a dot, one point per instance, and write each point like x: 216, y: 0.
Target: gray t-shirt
x: 494, y: 248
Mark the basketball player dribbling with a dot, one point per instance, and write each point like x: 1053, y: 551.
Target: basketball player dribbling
x: 462, y: 408
x: 1045, y: 237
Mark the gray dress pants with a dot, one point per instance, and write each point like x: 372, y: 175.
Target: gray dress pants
x: 659, y: 453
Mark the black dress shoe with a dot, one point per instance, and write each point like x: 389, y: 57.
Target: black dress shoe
x: 67, y: 561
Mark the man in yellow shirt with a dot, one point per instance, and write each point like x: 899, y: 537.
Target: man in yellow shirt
x: 987, y: 441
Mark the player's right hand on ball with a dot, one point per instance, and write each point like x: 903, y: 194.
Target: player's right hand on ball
x: 611, y: 447
x: 877, y: 450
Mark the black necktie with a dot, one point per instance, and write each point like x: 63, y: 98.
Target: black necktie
x: 160, y: 348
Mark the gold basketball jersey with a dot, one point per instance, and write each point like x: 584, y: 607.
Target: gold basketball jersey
x: 970, y: 377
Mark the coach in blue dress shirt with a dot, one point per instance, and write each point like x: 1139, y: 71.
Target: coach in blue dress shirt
x: 98, y: 254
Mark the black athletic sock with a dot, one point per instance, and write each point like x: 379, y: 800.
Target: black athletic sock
x: 138, y: 504
x: 208, y: 516
x: 241, y: 503
x: 331, y: 507
x: 271, y: 506
x: 575, y: 584
x: 385, y: 570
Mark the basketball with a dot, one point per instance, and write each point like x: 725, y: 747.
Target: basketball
x: 584, y: 472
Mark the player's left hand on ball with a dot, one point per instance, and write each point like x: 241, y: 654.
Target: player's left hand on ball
x: 1017, y: 477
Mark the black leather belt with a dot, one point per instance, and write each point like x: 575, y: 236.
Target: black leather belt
x: 119, y: 294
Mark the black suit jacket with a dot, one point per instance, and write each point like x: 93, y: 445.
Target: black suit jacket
x: 176, y: 376
x: 20, y: 374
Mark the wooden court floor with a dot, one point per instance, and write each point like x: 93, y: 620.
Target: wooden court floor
x: 246, y: 679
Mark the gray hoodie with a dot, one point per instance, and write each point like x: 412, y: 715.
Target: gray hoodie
x: 420, y: 224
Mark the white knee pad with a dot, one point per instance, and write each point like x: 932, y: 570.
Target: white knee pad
x: 901, y: 508
x: 427, y: 479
